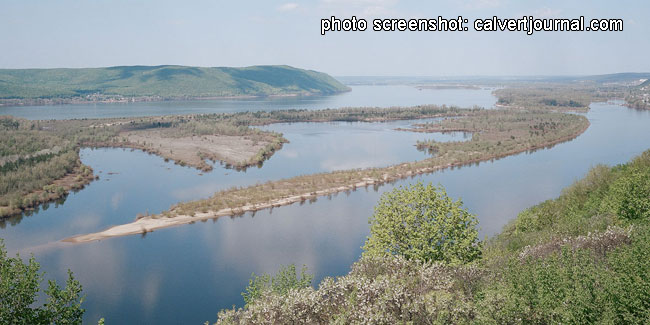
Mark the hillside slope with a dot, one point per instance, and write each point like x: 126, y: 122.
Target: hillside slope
x: 582, y: 258
x: 164, y: 82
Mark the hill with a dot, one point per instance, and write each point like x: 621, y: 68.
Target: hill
x: 161, y: 82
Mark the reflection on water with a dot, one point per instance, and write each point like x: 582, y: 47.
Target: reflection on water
x: 186, y: 274
x: 366, y: 96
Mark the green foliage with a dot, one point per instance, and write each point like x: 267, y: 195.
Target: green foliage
x: 582, y: 258
x: 378, y: 290
x: 163, y: 82
x: 576, y: 286
x: 630, y: 195
x: 286, y: 279
x: 19, y: 286
x: 422, y: 223
x: 605, y: 196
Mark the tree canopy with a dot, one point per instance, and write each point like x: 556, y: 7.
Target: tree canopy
x: 421, y: 222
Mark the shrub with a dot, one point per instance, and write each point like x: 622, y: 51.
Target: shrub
x: 285, y: 280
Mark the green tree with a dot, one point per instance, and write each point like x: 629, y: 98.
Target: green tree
x: 19, y: 286
x: 285, y: 280
x: 422, y: 223
x: 631, y: 195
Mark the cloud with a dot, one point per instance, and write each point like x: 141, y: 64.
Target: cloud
x: 289, y: 6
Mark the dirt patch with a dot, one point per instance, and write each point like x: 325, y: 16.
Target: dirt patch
x: 237, y: 151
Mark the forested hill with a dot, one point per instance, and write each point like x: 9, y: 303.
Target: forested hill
x: 168, y: 81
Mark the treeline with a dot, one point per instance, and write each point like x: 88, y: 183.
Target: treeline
x: 36, y: 154
x: 499, y: 133
x: 34, y: 164
x: 556, y: 96
x: 582, y: 258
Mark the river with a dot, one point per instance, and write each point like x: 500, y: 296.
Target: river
x: 188, y: 273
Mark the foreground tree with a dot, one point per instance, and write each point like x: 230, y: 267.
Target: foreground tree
x: 421, y: 222
x: 19, y: 286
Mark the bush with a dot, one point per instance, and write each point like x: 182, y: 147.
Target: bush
x: 422, y: 223
x: 630, y: 195
x: 285, y: 280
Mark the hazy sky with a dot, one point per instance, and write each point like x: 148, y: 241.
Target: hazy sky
x: 94, y: 33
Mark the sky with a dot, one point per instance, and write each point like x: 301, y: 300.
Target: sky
x: 98, y: 33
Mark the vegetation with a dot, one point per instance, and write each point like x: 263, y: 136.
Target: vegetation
x: 422, y: 223
x: 581, y: 258
x: 639, y: 97
x: 502, y: 133
x: 53, y: 86
x: 36, y: 167
x: 285, y: 280
x: 19, y: 287
x: 510, y: 134
x: 556, y: 96
x: 40, y: 160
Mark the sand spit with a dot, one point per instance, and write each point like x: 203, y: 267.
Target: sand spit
x: 148, y: 224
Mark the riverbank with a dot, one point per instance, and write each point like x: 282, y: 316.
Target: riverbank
x: 187, y: 139
x: 76, y: 180
x: 495, y: 144
x: 107, y: 99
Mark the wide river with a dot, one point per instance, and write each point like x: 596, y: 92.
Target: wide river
x: 188, y: 273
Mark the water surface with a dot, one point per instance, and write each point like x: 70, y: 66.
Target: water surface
x: 360, y: 96
x: 186, y: 274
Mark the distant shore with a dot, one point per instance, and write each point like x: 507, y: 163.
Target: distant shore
x: 100, y: 99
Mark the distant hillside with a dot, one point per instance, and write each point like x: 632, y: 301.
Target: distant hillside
x: 162, y: 82
x: 619, y: 77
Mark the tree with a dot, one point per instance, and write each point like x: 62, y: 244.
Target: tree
x: 631, y: 195
x: 285, y: 280
x: 422, y: 223
x: 19, y: 286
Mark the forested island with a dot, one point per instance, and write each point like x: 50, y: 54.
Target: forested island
x: 157, y: 83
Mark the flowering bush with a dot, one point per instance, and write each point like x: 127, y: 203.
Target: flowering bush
x: 378, y: 290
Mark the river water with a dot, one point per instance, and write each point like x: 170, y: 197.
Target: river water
x: 188, y: 273
x: 361, y: 96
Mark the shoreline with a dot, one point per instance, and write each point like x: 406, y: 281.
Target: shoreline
x: 73, y: 181
x: 149, y: 224
x: 9, y: 102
